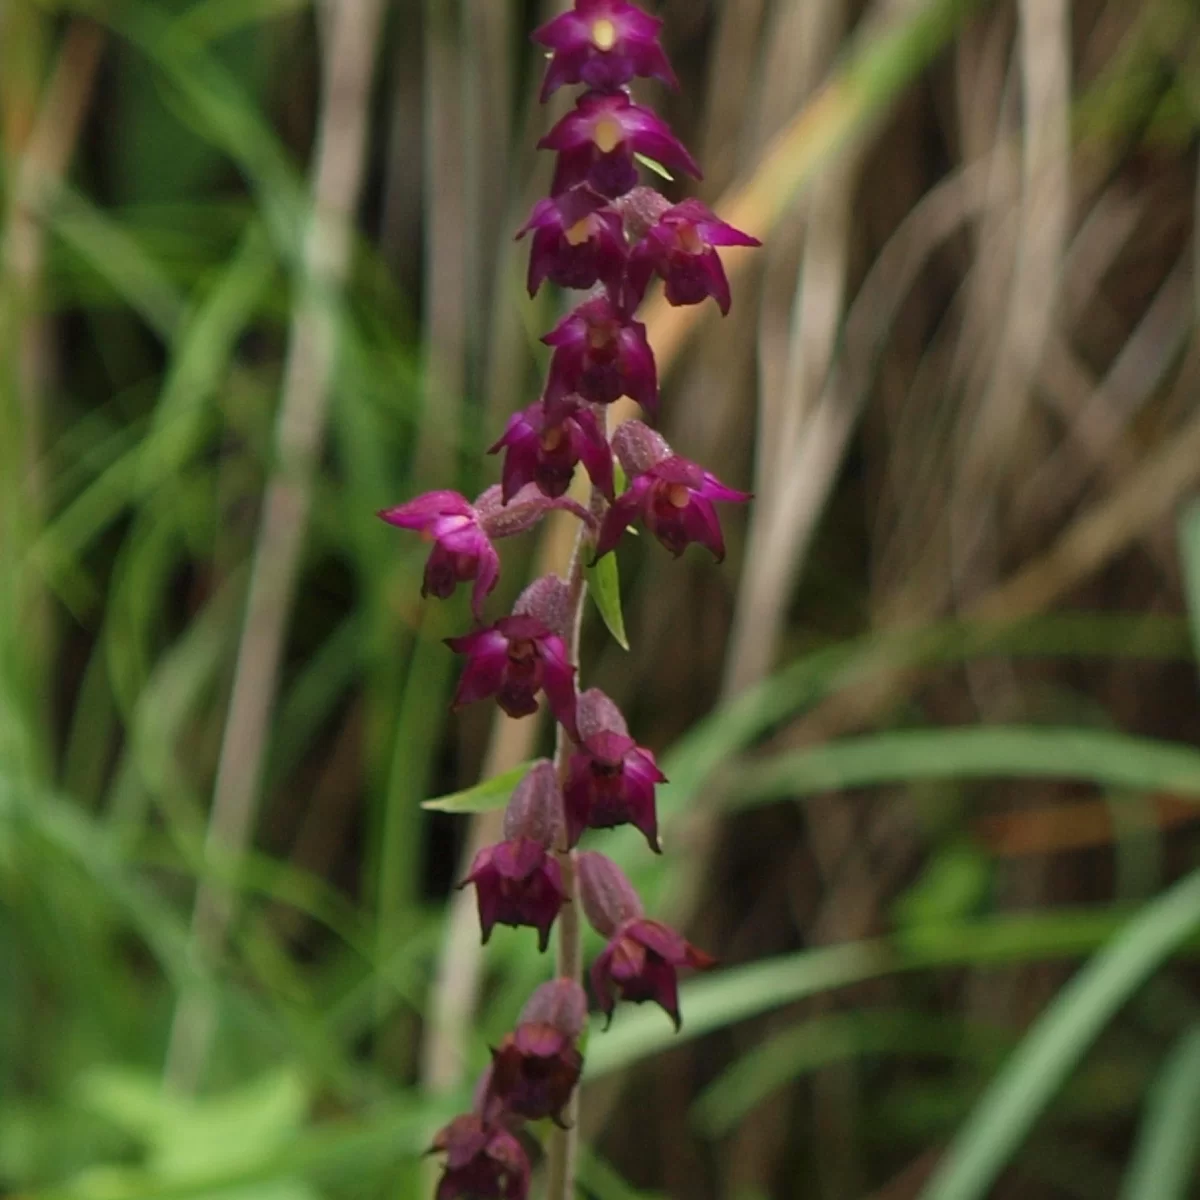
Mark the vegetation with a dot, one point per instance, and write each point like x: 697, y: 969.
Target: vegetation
x: 930, y: 733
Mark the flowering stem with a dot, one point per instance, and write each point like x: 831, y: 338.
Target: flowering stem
x: 564, y: 1141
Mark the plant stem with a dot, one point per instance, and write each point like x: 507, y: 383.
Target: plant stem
x: 564, y: 1141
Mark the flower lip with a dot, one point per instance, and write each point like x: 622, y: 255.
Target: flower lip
x: 641, y: 962
x: 482, y: 1159
x: 670, y: 494
x: 517, y: 883
x: 462, y: 549
x: 596, y: 143
x: 578, y: 241
x: 545, y: 442
x: 679, y: 247
x: 611, y: 781
x: 600, y: 354
x: 514, y: 659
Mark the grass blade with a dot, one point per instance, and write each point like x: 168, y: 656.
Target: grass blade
x: 1189, y: 551
x: 1164, y: 1157
x: 1098, y: 756
x: 1016, y: 1099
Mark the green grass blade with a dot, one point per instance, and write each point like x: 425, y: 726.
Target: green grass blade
x: 720, y: 1000
x: 715, y: 1001
x: 810, y: 1045
x: 1164, y: 1158
x: 1189, y: 550
x: 1016, y: 1099
x: 1098, y: 756
x: 835, y: 668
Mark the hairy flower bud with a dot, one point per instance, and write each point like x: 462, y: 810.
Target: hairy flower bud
x: 640, y: 210
x: 609, y: 899
x: 535, y: 808
x: 561, y: 1004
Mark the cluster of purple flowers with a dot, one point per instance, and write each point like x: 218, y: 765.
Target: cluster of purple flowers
x: 600, y: 232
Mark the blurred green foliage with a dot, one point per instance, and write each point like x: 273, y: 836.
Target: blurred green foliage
x: 147, y: 299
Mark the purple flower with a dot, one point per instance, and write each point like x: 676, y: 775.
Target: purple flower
x: 577, y: 241
x: 672, y: 495
x: 513, y: 660
x: 544, y: 442
x: 603, y: 43
x: 484, y: 1161
x: 536, y: 1067
x: 597, y: 140
x: 461, y: 550
x: 518, y: 883
x: 462, y: 534
x: 601, y: 354
x: 642, y: 962
x: 610, y: 778
x: 679, y: 246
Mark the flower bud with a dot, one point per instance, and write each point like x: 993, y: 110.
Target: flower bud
x: 640, y: 210
x: 609, y: 899
x: 561, y: 1004
x: 596, y: 713
x: 549, y: 600
x: 535, y: 808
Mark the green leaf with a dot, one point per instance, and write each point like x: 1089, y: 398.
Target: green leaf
x: 482, y: 797
x: 1054, y: 1046
x: 656, y: 167
x: 604, y: 583
x: 1003, y: 752
x: 1164, y: 1156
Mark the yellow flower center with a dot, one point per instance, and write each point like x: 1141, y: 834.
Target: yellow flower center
x: 552, y: 438
x: 678, y: 495
x: 601, y: 335
x: 604, y: 34
x: 607, y: 135
x: 690, y: 240
x: 579, y: 232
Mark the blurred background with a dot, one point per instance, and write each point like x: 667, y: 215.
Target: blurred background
x: 930, y: 729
